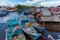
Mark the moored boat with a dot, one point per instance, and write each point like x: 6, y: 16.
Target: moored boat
x: 3, y: 13
x: 13, y: 31
x: 28, y: 29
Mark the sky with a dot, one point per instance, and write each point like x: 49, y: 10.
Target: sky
x: 37, y: 3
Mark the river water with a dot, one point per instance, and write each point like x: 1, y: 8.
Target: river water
x: 3, y: 20
x: 11, y: 15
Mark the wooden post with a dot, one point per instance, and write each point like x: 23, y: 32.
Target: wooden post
x: 43, y: 23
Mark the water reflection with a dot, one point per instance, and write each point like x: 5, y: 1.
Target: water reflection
x: 11, y: 15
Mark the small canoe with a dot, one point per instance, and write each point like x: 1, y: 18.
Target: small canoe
x: 13, y: 32
x: 30, y: 30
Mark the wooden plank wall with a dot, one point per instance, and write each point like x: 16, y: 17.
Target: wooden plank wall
x: 52, y: 26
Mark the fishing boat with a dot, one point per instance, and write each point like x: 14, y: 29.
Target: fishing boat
x: 29, y: 30
x: 3, y: 13
x: 13, y: 31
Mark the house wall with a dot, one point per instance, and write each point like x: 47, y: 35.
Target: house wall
x: 56, y: 18
x: 49, y: 18
x: 45, y: 12
x: 9, y: 8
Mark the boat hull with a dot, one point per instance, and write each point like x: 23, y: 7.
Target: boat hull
x: 34, y: 37
x: 13, y: 32
x: 30, y: 30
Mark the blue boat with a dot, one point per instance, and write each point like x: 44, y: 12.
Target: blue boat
x: 3, y: 13
x: 30, y: 30
x: 13, y: 31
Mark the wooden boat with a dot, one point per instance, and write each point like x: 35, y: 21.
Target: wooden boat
x: 13, y: 31
x: 29, y: 30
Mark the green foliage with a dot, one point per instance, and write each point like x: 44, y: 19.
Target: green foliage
x: 19, y: 6
x: 23, y: 6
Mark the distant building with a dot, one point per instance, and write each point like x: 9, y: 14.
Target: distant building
x: 33, y: 10
x: 3, y: 8
x: 49, y: 14
x: 50, y: 17
x: 55, y: 13
x: 12, y: 8
x: 46, y: 15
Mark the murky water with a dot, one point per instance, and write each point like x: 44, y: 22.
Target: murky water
x: 3, y: 20
x: 14, y: 15
x: 11, y: 15
x: 2, y: 31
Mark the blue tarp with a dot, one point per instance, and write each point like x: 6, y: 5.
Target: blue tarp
x: 23, y: 22
x: 12, y: 22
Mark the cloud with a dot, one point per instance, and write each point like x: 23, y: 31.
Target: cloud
x: 39, y: 3
x: 31, y: 3
x: 4, y: 2
x: 50, y: 3
x: 7, y: 3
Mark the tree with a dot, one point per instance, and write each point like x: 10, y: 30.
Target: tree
x: 19, y: 6
x: 23, y: 6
